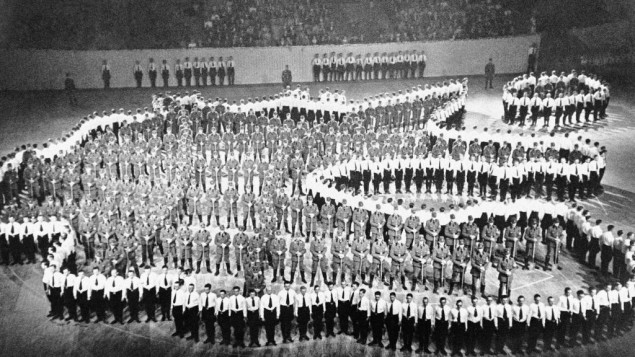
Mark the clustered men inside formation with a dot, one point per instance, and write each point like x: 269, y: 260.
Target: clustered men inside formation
x: 162, y: 180
x: 558, y: 96
x: 335, y: 68
x: 188, y: 73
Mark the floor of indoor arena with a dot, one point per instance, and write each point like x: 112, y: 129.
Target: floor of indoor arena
x: 34, y: 117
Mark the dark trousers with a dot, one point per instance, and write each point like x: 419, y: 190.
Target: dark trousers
x: 550, y: 331
x: 286, y: 318
x: 191, y: 321
x: 238, y: 324
x: 377, y: 326
x: 15, y: 247
x: 441, y: 334
x: 270, y: 325
x: 535, y: 330
x: 149, y: 299
x: 342, y: 313
x: 472, y: 335
x: 488, y: 335
x: 424, y: 328
x: 329, y: 318
x: 164, y: 301
x: 407, y: 331
x: 84, y: 306
x: 98, y: 304
x: 57, y: 304
x: 116, y: 305
x: 303, y: 320
x: 209, y: 319
x: 132, y: 297
x: 501, y: 334
x: 318, y: 316
x: 225, y: 326
x: 253, y: 320
x: 392, y: 327
x: 179, y: 320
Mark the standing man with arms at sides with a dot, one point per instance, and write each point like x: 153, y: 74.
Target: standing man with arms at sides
x: 531, y: 58
x: 286, y: 298
x: 393, y: 320
x: 190, y: 312
x: 138, y: 73
x: 286, y: 77
x: 253, y: 318
x: 490, y: 71
x: 317, y: 65
x: 69, y: 88
x: 105, y: 74
x: 269, y: 314
x: 152, y: 73
x: 165, y: 73
x: 377, y: 315
x: 177, y: 308
x: 178, y: 70
x: 442, y: 316
x: 231, y: 71
x: 237, y: 313
x: 207, y: 300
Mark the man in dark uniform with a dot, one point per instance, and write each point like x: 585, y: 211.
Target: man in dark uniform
x: 505, y: 273
x: 532, y: 235
x: 187, y: 71
x: 165, y: 73
x: 440, y: 258
x: 490, y: 70
x: 105, y: 74
x: 138, y: 73
x: 480, y: 259
x: 178, y: 70
x: 553, y: 237
x: 152, y: 73
x: 460, y: 259
x: 69, y: 88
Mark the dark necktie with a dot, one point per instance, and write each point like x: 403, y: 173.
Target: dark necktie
x: 174, y: 298
x: 26, y: 230
x: 206, y: 301
x: 318, y: 299
x: 521, y: 313
x: 408, y: 312
x: 475, y: 311
x: 130, y: 284
x: 165, y: 280
x: 376, y: 307
x: 342, y: 294
x: 553, y: 314
x: 113, y: 282
x: 288, y: 301
x: 425, y: 308
x: 41, y: 228
x: 568, y: 305
x: 270, y: 302
x: 148, y: 279
x: 221, y: 304
x: 391, y: 311
x: 80, y: 284
x: 442, y: 313
x: 539, y: 315
x: 188, y: 299
x: 236, y: 302
x: 253, y: 302
x: 12, y: 229
x: 504, y: 313
x: 303, y: 301
x: 459, y: 316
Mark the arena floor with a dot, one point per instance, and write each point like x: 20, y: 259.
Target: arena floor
x: 38, y: 116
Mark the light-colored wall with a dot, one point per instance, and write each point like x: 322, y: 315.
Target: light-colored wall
x: 45, y: 69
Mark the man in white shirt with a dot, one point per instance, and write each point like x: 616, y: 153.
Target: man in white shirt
x: 362, y: 314
x: 318, y: 306
x: 177, y: 302
x: 252, y: 303
x: 393, y: 320
x: 190, y: 312
x: 409, y: 312
x: 606, y: 243
x: 303, y: 312
x: 286, y: 299
x: 459, y: 319
x: 269, y: 314
x: 377, y: 315
x: 148, y: 292
x: 521, y: 315
x: 132, y: 295
x: 80, y: 293
x: 442, y: 316
x: 207, y: 300
x: 96, y: 294
x: 113, y: 291
x: 237, y: 313
x: 222, y: 315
